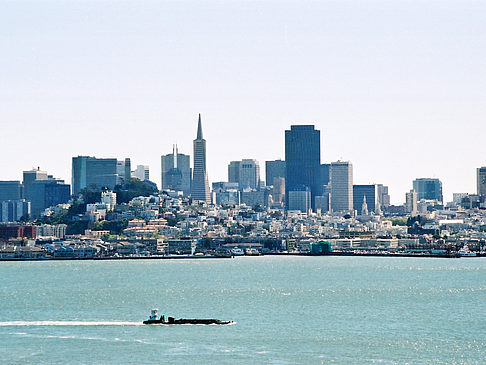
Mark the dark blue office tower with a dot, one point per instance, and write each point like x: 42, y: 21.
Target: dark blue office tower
x: 303, y: 160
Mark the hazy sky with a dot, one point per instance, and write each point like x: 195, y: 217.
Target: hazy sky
x: 396, y: 87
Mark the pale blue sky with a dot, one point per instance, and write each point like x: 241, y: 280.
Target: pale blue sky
x: 396, y: 87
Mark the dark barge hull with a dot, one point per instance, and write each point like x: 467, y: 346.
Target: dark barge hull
x: 171, y: 321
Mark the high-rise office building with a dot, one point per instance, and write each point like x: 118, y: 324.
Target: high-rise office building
x: 323, y: 202
x: 383, y: 196
x: 176, y: 172
x: 274, y: 169
x: 302, y: 160
x: 10, y: 190
x: 44, y: 191
x: 300, y: 199
x: 249, y: 174
x: 14, y: 210
x: 246, y: 173
x: 278, y: 191
x: 429, y: 189
x: 31, y: 176
x: 411, y: 202
x: 142, y: 172
x: 324, y: 174
x: 481, y: 181
x: 200, y: 184
x: 341, y: 186
x: 123, y: 171
x: 94, y: 173
x: 368, y: 193
x: 234, y: 171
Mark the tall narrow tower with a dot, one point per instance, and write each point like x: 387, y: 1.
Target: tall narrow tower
x: 200, y: 185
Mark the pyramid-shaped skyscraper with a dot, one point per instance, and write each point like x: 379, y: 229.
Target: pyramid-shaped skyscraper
x: 200, y: 184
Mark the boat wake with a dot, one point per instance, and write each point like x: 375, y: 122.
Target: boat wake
x: 69, y: 323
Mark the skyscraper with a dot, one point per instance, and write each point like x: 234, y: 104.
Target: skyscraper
x: 429, y: 189
x: 325, y: 173
x: 368, y: 193
x: 176, y: 171
x: 342, y: 186
x: 274, y: 169
x: 383, y: 196
x: 200, y: 184
x: 12, y: 206
x: 44, y: 191
x: 300, y: 199
x: 481, y: 180
x: 245, y: 172
x: 302, y: 160
x: 234, y: 171
x: 94, y: 173
x: 10, y: 190
x: 411, y: 202
x: 14, y: 210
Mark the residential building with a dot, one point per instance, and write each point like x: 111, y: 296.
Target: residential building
x: 47, y: 230
x: 108, y: 198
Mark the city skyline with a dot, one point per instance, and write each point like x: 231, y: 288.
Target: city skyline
x: 390, y: 86
x: 395, y: 201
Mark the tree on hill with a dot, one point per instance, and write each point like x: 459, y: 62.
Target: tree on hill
x: 131, y: 189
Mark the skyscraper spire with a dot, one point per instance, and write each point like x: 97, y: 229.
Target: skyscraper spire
x: 199, y: 128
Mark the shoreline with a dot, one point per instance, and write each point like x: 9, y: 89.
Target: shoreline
x: 189, y: 257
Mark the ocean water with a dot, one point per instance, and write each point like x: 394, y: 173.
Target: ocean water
x: 288, y: 310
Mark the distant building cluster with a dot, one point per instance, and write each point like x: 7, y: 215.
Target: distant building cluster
x: 301, y: 198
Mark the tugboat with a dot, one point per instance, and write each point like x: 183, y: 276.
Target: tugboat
x: 171, y: 320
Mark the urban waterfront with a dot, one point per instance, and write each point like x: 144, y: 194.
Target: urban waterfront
x: 288, y: 309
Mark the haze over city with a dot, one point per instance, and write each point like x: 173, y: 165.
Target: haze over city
x: 398, y: 89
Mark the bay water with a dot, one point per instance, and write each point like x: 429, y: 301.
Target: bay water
x: 287, y: 309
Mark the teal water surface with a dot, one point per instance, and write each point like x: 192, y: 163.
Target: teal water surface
x: 289, y: 310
